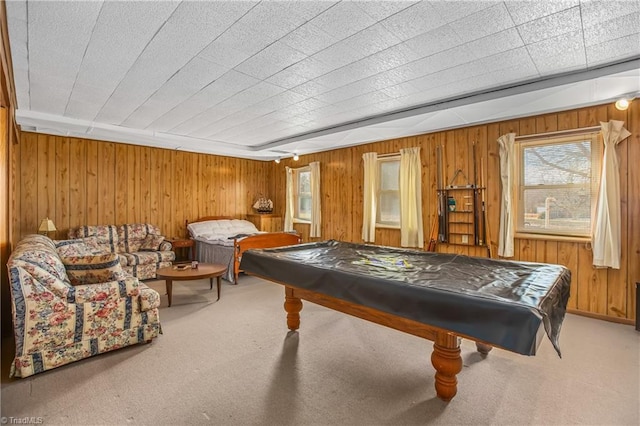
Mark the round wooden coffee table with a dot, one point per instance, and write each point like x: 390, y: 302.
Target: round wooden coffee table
x: 204, y: 270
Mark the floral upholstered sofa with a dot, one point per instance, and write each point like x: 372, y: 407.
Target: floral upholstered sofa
x: 72, y: 302
x: 140, y: 246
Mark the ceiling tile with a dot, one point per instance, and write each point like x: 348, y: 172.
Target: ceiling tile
x: 434, y: 41
x: 338, y: 55
x: 192, y: 78
x: 286, y: 79
x: 613, y: 50
x: 380, y: 10
x: 551, y: 26
x: 450, y: 11
x: 417, y: 19
x: 613, y: 29
x: 372, y: 40
x: 525, y: 11
x: 475, y: 26
x: 342, y: 20
x: 310, y: 88
x: 559, y: 45
x: 309, y: 39
x: 214, y: 93
x: 310, y: 68
x: 594, y: 12
x: 495, y: 43
x: 270, y: 60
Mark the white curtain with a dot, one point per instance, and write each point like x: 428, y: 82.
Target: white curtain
x: 288, y: 211
x: 411, y: 234
x: 370, y: 196
x: 316, y: 196
x: 606, y: 229
x: 507, y: 177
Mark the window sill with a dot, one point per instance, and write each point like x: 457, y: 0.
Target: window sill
x: 548, y: 237
x: 385, y: 226
x: 308, y: 222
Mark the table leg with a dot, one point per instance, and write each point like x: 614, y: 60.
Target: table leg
x: 447, y: 362
x: 218, y: 282
x: 169, y: 284
x: 293, y: 306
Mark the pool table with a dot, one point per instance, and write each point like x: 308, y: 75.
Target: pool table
x: 440, y: 297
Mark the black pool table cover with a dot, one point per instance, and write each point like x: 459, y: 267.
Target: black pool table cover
x: 499, y: 302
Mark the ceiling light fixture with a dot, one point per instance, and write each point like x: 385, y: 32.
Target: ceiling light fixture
x: 622, y: 104
x: 295, y: 157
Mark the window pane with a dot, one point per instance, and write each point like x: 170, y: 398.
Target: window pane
x: 304, y: 207
x: 304, y: 182
x: 558, y: 210
x: 558, y: 164
x: 389, y: 208
x: 389, y: 175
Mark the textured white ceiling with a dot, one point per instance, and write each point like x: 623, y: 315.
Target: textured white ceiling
x: 266, y: 79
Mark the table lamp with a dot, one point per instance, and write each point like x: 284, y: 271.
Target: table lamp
x: 46, y: 226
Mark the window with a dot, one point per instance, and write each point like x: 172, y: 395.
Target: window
x: 558, y: 185
x: 388, y: 206
x: 302, y: 194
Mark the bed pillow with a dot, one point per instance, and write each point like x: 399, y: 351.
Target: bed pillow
x: 151, y: 242
x: 243, y: 227
x: 93, y: 269
x: 199, y: 228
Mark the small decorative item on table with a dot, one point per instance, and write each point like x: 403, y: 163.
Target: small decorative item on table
x: 181, y: 267
x: 194, y: 264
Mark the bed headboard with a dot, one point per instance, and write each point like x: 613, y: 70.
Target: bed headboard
x: 205, y: 218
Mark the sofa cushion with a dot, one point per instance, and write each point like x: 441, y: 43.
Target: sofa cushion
x: 148, y: 257
x: 151, y: 242
x: 105, y: 236
x: 77, y: 247
x: 93, y: 269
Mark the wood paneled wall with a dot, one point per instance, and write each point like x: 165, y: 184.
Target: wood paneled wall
x: 78, y: 182
x: 601, y: 292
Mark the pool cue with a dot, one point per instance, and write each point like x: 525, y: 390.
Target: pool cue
x: 433, y: 236
x: 441, y: 206
x: 485, y: 222
x: 476, y: 216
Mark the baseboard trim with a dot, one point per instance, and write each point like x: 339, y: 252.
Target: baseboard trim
x: 626, y: 321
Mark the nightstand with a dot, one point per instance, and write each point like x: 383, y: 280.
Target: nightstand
x: 182, y: 243
x: 266, y: 222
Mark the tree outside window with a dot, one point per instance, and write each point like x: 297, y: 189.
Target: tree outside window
x: 558, y: 185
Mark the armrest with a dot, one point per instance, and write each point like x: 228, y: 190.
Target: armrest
x: 165, y: 246
x: 112, y: 290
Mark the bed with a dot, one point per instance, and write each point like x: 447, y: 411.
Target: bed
x: 223, y: 240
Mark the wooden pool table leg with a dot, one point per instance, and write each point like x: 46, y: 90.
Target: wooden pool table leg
x: 447, y: 362
x: 293, y: 306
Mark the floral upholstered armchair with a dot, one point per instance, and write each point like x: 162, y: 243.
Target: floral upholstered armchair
x: 141, y: 247
x: 72, y: 302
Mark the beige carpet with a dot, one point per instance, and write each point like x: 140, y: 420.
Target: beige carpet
x: 232, y: 362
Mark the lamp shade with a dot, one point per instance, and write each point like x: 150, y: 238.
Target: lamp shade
x: 47, y: 225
